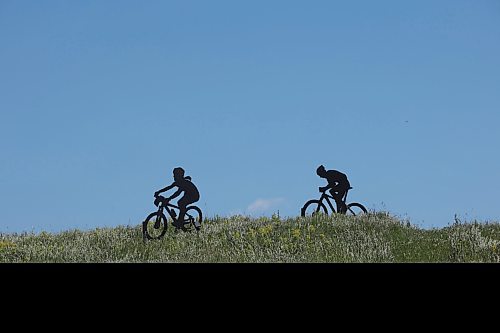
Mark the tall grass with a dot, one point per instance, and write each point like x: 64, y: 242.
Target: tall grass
x: 373, y: 238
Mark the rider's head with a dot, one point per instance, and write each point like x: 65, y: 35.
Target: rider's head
x: 178, y: 173
x: 320, y: 171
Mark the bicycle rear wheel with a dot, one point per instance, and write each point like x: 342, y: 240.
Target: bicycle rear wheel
x: 313, y: 207
x: 155, y: 226
x: 193, y: 218
x: 355, y: 209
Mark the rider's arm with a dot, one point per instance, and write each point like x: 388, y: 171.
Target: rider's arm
x: 165, y: 189
x: 329, y: 186
x: 176, y: 194
x: 324, y: 188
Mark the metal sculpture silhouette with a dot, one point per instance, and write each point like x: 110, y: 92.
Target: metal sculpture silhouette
x: 155, y: 225
x: 339, y: 186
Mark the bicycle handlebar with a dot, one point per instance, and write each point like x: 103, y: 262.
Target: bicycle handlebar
x: 160, y: 199
x: 166, y: 203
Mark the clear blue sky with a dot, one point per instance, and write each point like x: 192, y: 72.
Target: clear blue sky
x: 100, y: 100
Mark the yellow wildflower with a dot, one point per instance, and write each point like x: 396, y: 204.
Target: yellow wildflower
x: 265, y: 230
x: 6, y: 244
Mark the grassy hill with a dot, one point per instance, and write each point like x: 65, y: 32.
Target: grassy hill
x: 373, y: 238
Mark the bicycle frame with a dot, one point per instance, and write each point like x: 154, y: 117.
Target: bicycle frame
x: 171, y: 212
x: 327, y: 197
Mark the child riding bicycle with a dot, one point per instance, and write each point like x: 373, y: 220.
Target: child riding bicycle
x: 185, y: 185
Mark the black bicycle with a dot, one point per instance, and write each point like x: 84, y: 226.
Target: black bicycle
x: 313, y: 207
x: 155, y: 225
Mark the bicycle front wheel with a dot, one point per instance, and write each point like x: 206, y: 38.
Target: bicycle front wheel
x: 155, y: 226
x: 355, y: 209
x: 312, y: 208
x: 193, y: 217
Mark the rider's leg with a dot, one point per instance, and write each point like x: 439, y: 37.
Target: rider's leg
x: 343, y: 205
x: 340, y: 205
x: 182, y: 203
x: 180, y: 218
x: 338, y: 195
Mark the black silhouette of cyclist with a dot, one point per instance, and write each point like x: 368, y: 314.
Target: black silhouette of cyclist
x: 185, y: 185
x: 338, y: 185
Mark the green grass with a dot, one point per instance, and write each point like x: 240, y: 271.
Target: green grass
x: 370, y: 239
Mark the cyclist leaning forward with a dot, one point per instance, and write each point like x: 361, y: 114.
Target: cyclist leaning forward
x: 185, y: 185
x: 338, y: 185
